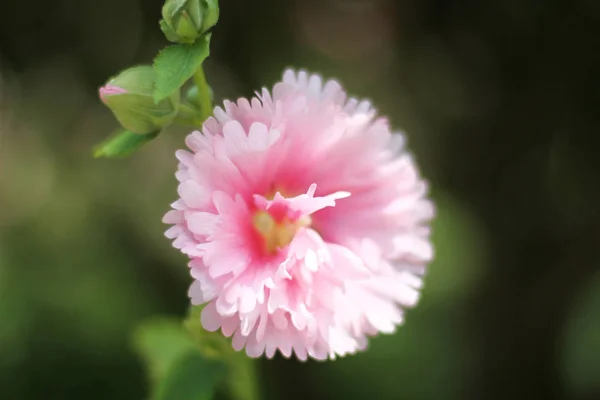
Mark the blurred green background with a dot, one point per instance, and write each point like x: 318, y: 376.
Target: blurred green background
x: 498, y: 101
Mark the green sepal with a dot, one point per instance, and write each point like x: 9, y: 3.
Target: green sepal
x: 122, y: 144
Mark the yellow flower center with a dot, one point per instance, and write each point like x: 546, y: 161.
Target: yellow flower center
x: 277, y: 235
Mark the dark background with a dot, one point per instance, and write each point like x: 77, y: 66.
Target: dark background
x: 499, y: 102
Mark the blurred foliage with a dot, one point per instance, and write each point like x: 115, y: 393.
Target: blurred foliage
x: 242, y: 380
x: 161, y: 342
x: 178, y: 369
x: 498, y: 101
x: 582, y: 341
x: 191, y: 377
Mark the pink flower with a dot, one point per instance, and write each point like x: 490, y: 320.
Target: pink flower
x: 305, y: 220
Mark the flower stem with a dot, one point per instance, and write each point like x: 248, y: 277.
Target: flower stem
x: 204, y: 96
x: 188, y: 115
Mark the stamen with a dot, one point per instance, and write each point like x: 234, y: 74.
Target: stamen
x: 277, y: 235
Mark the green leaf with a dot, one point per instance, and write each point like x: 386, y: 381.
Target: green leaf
x: 242, y: 383
x: 161, y: 342
x: 176, y: 64
x: 191, y: 377
x: 122, y: 144
x: 581, y: 348
x: 178, y: 369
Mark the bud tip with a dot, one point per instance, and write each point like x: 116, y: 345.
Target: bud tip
x: 110, y: 90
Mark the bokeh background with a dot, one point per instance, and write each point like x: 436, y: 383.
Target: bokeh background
x: 499, y: 103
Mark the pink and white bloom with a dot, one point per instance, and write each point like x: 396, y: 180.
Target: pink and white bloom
x: 305, y: 219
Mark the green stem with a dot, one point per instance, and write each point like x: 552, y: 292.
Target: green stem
x: 188, y: 115
x: 204, y: 97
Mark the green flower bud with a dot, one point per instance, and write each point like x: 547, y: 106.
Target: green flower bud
x: 129, y: 96
x: 185, y: 20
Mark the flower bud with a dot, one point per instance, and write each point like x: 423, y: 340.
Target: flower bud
x: 129, y: 96
x: 185, y: 20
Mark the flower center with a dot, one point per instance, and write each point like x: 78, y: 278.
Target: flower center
x: 277, y: 234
